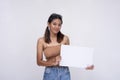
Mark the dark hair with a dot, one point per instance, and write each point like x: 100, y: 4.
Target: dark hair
x: 47, y: 32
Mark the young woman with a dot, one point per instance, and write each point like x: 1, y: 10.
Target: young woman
x: 49, y: 45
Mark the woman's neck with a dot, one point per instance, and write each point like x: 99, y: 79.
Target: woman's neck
x: 53, y: 37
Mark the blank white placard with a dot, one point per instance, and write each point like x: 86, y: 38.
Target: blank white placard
x: 75, y: 56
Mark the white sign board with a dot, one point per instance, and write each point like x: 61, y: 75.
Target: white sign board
x: 74, y: 56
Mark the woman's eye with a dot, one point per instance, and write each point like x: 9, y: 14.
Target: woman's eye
x: 59, y: 25
x: 54, y: 23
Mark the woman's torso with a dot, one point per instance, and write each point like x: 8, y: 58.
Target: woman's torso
x: 52, y: 51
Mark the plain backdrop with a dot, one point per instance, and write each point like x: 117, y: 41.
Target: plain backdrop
x: 88, y: 23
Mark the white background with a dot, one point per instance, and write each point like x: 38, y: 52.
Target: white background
x: 89, y: 23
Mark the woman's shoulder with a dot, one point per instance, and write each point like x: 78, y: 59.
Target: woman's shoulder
x: 40, y: 40
x: 65, y: 39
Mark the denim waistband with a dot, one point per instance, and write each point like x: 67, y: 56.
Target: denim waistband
x: 57, y: 73
x: 57, y: 67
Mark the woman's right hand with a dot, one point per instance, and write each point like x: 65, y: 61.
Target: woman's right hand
x: 55, y: 61
x: 58, y: 58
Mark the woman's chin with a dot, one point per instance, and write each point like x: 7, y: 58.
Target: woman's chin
x: 56, y: 32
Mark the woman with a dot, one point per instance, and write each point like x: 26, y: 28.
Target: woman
x: 50, y: 46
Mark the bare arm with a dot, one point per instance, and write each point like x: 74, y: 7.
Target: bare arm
x: 66, y: 42
x: 40, y: 60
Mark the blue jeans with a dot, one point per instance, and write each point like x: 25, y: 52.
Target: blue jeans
x: 56, y: 73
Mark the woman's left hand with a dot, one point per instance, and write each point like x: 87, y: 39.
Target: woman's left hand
x: 58, y: 58
x: 90, y: 67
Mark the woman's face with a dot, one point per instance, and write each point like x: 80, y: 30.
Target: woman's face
x: 55, y: 26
